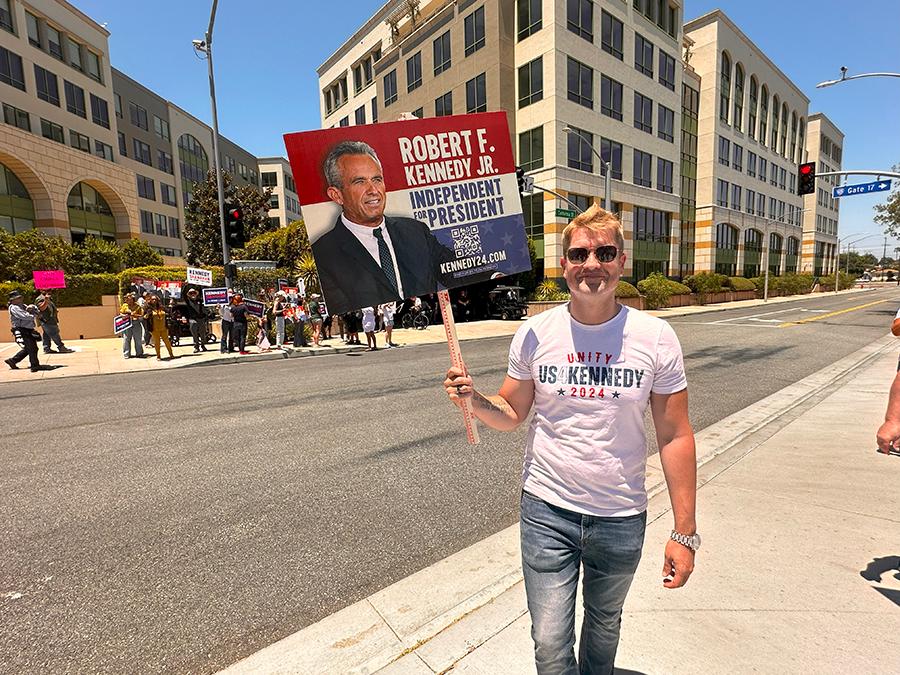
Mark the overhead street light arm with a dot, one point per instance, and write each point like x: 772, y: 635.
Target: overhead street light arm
x: 844, y: 78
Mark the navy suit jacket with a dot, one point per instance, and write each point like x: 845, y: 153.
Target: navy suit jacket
x: 351, y: 278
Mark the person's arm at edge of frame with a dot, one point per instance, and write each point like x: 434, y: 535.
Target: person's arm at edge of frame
x: 678, y: 456
x: 505, y: 411
x: 895, y: 326
x: 889, y: 431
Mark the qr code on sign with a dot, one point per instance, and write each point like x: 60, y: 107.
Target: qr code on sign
x: 466, y: 241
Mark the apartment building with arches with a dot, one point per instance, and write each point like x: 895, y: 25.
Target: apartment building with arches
x: 752, y: 134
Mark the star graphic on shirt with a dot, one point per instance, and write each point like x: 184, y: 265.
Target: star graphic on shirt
x: 560, y: 392
x: 616, y: 394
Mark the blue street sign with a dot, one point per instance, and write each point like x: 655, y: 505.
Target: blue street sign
x: 860, y: 189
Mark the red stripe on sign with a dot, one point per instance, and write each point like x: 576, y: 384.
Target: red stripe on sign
x: 413, y: 153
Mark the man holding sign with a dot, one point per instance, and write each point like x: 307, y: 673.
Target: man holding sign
x: 589, y: 369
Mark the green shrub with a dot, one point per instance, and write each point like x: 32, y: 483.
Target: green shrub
x: 741, y: 284
x: 138, y: 253
x: 704, y: 283
x: 657, y: 290
x: 548, y: 291
x: 95, y: 256
x: 826, y: 283
x: 626, y: 290
x: 25, y: 288
x: 86, y: 289
x: 163, y: 273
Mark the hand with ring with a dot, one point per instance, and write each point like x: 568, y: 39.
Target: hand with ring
x: 458, y: 385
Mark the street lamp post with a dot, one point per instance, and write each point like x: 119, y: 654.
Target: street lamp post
x: 205, y: 47
x: 837, y: 269
x: 844, y: 78
x: 607, y: 199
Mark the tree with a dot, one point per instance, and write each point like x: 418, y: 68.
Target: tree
x: 858, y: 263
x: 95, y: 256
x: 306, y: 270
x: 888, y: 214
x: 138, y: 253
x: 285, y: 245
x: 202, y: 228
x: 31, y: 250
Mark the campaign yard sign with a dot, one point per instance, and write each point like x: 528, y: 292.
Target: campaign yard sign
x: 199, y: 276
x: 121, y: 323
x: 173, y: 288
x: 255, y: 308
x: 400, y: 209
x: 215, y: 296
x: 49, y: 279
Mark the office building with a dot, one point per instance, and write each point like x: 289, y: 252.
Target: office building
x: 824, y: 146
x: 275, y: 173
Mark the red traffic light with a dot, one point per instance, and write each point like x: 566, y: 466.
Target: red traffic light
x: 805, y: 169
x: 234, y: 214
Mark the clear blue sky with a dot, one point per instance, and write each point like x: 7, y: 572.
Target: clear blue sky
x: 262, y: 97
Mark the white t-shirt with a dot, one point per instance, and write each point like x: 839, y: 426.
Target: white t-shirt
x: 387, y: 311
x: 368, y: 319
x: 586, y: 450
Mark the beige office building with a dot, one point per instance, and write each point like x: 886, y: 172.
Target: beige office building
x: 751, y: 137
x: 275, y: 173
x: 824, y: 146
x: 608, y: 72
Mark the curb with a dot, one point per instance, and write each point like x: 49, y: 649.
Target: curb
x: 440, y: 627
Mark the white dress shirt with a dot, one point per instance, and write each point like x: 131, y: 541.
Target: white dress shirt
x: 366, y: 237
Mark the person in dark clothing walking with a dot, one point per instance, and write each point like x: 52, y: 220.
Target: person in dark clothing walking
x: 196, y: 316
x: 21, y: 321
x: 48, y: 320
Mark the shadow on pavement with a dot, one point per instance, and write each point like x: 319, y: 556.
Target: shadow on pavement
x: 875, y: 572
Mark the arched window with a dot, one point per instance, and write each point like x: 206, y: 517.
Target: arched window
x: 89, y: 214
x: 194, y: 164
x: 726, y: 249
x: 784, y: 127
x: 763, y: 114
x: 16, y: 207
x: 726, y: 236
x: 776, y: 244
x: 737, y: 118
x: 751, y: 112
x: 753, y: 240
x: 773, y: 139
x: 794, y: 137
x: 801, y: 141
x: 725, y: 87
x: 776, y: 241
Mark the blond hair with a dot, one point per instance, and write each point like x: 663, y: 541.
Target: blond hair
x: 596, y: 220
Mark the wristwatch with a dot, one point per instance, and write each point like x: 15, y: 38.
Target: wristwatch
x: 692, y: 541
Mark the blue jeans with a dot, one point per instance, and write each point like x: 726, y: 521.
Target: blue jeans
x: 133, y: 336
x: 51, y: 332
x: 555, y: 544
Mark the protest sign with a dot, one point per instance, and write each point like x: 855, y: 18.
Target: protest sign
x: 173, y: 288
x: 198, y: 276
x: 282, y: 283
x: 255, y: 308
x: 215, y: 296
x: 438, y: 209
x: 49, y: 279
x: 121, y: 323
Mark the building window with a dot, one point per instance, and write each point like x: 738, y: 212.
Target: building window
x: 737, y: 158
x: 784, y: 128
x: 138, y: 115
x: 531, y: 149
x: 74, y: 53
x: 17, y: 118
x: 773, y: 180
x: 93, y: 65
x: 345, y: 122
x: 75, y: 99
x: 724, y: 151
x: 161, y: 222
x: 146, y: 187
x: 611, y: 152
x: 751, y: 112
x: 123, y: 148
x: 763, y: 114
x: 442, y: 53
x: 773, y: 139
x: 164, y: 162
x: 664, y: 170
x: 142, y: 152
x: 642, y: 168
x: 47, y: 86
x: 528, y: 15
x: 476, y: 95
x: 146, y: 222
x: 167, y: 194
x: 782, y: 175
x: 751, y: 199
x: 273, y: 202
x: 643, y: 113
x: 474, y: 30
x: 390, y: 88
x: 419, y: 112
x: 760, y: 204
x: 31, y: 26
x: 99, y: 111
x: 289, y: 183
x: 79, y: 141
x: 793, y: 183
x: 666, y: 70
x: 269, y: 179
x: 52, y: 131
x: 611, y: 97
x: 6, y: 16
x: 725, y: 88
x: 773, y: 207
x: 652, y: 225
x: 580, y: 83
x: 54, y: 42
x: 359, y: 115
x: 578, y: 150
x: 643, y: 55
x: 11, y: 71
x: 722, y: 193
x: 531, y: 82
x: 357, y: 78
x: 374, y: 110
x: 737, y: 118
x: 443, y: 105
x: 751, y: 164
x: 580, y: 17
x: 736, y: 197
x: 666, y: 129
x: 414, y: 72
x: 762, y: 169
x: 103, y: 150
x: 611, y: 35
x: 161, y: 128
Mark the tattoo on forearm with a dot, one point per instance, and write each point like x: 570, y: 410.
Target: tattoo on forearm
x: 485, y: 403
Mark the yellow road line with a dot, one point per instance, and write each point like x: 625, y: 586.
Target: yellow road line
x: 825, y: 316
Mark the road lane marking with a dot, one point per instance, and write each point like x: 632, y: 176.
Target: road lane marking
x: 749, y: 316
x: 830, y: 314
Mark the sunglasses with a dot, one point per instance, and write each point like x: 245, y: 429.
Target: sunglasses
x: 603, y: 254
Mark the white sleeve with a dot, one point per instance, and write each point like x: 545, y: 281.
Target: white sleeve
x: 669, y: 376
x: 521, y: 353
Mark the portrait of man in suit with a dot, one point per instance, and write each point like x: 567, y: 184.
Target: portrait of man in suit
x: 368, y: 258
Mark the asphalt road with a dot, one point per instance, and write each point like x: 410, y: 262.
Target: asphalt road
x: 177, y: 521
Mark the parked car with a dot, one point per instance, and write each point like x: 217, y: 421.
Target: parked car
x: 506, y: 302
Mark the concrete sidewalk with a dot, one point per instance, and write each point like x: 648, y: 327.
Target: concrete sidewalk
x: 104, y: 356
x: 800, y: 521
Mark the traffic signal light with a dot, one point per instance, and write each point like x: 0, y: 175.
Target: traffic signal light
x: 234, y: 225
x: 806, y: 179
x: 526, y: 183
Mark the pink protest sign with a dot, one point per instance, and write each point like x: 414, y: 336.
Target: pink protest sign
x: 49, y: 279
